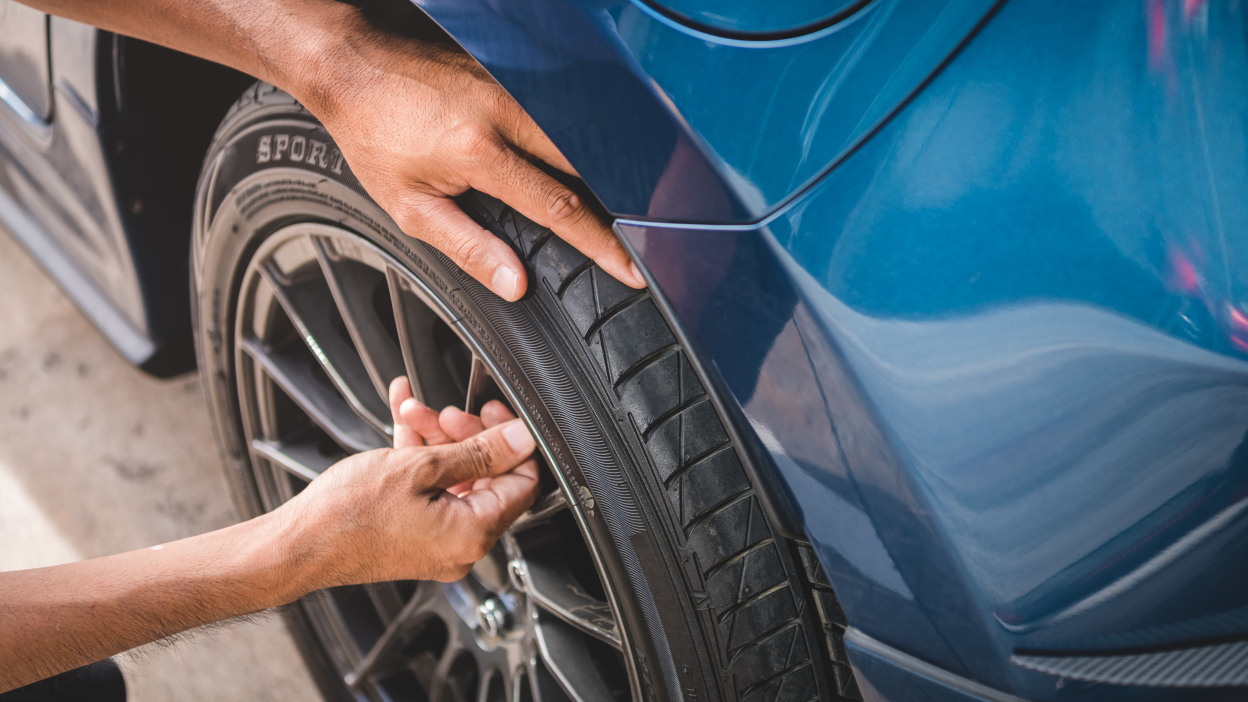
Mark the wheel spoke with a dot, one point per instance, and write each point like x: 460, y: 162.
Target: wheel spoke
x: 306, y: 303
x: 294, y: 375
x: 534, y: 608
x: 354, y: 286
x: 542, y: 683
x: 381, y: 655
x: 432, y: 381
x: 550, y: 584
x: 478, y: 380
x: 301, y: 459
x: 543, y: 509
x: 569, y: 661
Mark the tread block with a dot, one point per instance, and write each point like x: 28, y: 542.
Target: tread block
x: 810, y: 563
x: 707, y: 485
x: 795, y: 686
x: 495, y: 212
x: 593, y: 296
x: 727, y: 533
x: 779, y: 651
x: 628, y: 338
x: 667, y: 383
x: 836, y: 644
x: 578, y: 301
x: 610, y: 292
x: 753, y: 620
x: 556, y: 261
x: 758, y: 571
x: 846, y: 683
x: 829, y: 608
x: 685, y: 437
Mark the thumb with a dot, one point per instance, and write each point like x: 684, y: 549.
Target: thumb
x: 492, y: 452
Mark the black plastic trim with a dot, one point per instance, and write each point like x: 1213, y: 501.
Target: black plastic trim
x: 1222, y: 664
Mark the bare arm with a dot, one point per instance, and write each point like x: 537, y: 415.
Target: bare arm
x: 376, y: 516
x: 418, y: 123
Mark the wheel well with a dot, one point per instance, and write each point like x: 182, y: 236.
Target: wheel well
x: 184, y: 99
x: 160, y: 110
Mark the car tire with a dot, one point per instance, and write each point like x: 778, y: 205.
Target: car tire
x: 711, y: 602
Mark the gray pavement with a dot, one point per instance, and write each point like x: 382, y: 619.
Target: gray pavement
x: 98, y: 458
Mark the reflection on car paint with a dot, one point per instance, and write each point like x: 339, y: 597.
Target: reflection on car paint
x: 1010, y: 331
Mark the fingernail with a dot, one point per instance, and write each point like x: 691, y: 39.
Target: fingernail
x: 637, y: 274
x: 505, y: 283
x: 518, y: 436
x: 409, y: 405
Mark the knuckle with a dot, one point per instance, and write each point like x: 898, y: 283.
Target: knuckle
x: 430, y: 463
x: 562, y: 205
x: 467, y: 251
x: 479, y: 456
x: 480, y: 143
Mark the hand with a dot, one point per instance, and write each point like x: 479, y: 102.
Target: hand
x: 427, y: 509
x: 419, y: 123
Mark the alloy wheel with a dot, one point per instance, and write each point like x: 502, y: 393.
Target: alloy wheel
x: 324, y: 321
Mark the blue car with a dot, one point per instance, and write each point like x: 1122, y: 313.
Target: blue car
x: 939, y: 390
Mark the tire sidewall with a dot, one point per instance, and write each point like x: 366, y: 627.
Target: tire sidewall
x: 244, y: 197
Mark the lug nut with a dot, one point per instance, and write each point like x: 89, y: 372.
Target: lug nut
x: 515, y: 571
x: 492, y: 617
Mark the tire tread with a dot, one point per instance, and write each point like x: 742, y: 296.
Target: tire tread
x: 775, y: 618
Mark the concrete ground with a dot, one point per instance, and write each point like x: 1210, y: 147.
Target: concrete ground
x: 98, y: 458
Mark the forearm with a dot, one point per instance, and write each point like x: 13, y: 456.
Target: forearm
x: 288, y: 43
x: 55, y: 619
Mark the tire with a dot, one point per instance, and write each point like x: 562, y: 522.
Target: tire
x: 712, y: 603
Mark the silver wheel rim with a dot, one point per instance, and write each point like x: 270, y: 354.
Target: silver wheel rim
x: 324, y: 320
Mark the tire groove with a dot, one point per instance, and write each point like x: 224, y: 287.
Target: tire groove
x: 641, y: 364
x: 668, y: 415
x: 750, y: 600
x: 787, y: 671
x: 763, y: 638
x: 743, y: 495
x: 614, y: 311
x: 572, y: 276
x: 716, y: 568
x: 695, y: 461
x: 538, y: 245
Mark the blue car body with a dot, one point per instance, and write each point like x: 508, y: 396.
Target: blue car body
x: 974, y: 274
x: 970, y: 275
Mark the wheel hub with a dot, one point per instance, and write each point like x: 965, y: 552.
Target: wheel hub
x: 324, y: 321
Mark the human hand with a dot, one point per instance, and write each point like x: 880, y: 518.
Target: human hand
x: 420, y: 123
x: 427, y: 509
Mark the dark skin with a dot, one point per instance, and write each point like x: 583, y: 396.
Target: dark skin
x: 425, y: 510
x: 418, y: 124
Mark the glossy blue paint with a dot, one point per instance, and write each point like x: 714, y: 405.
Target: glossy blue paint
x: 670, y: 123
x: 999, y: 353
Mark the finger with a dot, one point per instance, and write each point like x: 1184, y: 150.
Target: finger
x: 507, y: 496
x: 532, y: 140
x: 463, y: 488
x: 523, y: 133
x: 424, y: 421
x: 458, y: 424
x: 552, y: 204
x: 404, y: 434
x: 494, y: 413
x: 492, y: 452
x: 438, y: 221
